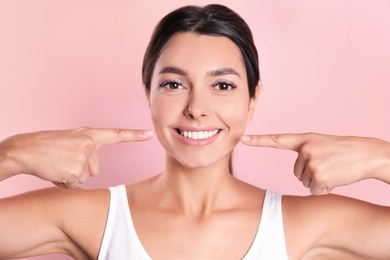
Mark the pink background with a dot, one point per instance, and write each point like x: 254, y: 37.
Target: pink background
x: 325, y: 67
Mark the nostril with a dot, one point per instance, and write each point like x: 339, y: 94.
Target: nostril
x: 197, y: 109
x: 195, y: 114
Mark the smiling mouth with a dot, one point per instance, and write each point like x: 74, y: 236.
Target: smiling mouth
x: 197, y: 135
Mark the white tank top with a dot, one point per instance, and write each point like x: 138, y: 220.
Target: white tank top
x: 120, y: 241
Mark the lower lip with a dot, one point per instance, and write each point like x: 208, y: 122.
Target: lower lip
x: 199, y: 142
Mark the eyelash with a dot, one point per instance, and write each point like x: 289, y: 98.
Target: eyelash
x: 168, y: 84
x: 172, y: 84
x: 228, y: 84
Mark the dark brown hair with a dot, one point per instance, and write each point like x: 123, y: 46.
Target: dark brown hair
x: 213, y: 20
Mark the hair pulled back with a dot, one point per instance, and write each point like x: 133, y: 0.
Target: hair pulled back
x: 213, y: 20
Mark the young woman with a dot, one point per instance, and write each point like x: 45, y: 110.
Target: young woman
x: 201, y: 77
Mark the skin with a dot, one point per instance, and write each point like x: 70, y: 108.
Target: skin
x: 319, y: 169
x: 195, y: 197
x: 77, y: 217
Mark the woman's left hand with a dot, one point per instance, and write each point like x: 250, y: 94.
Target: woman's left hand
x: 327, y: 161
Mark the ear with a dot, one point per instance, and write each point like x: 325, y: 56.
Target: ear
x: 252, y: 103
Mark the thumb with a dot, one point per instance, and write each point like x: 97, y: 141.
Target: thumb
x: 104, y: 136
x: 280, y: 141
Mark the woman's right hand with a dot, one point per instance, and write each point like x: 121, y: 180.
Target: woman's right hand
x: 65, y: 157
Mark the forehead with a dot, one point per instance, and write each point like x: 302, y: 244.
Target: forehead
x: 191, y: 51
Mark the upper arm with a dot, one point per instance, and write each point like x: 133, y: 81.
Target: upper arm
x: 358, y: 228
x: 50, y: 221
x: 338, y: 227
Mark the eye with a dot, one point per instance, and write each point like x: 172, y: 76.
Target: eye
x: 224, y: 86
x: 171, y: 84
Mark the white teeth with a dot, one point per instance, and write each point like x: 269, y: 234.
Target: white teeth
x: 198, y: 135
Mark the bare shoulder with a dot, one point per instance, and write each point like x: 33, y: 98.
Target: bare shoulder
x: 325, y: 208
x: 332, y: 225
x: 85, y: 216
x: 69, y: 221
x: 59, y: 200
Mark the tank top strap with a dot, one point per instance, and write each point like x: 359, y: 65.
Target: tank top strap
x: 269, y: 242
x: 120, y: 240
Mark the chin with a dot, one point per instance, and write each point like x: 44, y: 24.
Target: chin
x: 197, y: 162
x: 195, y: 165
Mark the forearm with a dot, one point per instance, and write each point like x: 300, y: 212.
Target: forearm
x: 8, y: 163
x: 382, y: 169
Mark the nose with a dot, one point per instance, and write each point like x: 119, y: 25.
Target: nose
x: 197, y: 106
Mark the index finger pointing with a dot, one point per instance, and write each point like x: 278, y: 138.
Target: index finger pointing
x: 113, y: 136
x: 280, y: 141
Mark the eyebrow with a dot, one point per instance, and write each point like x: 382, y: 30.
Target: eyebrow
x: 223, y: 71
x: 212, y: 73
x: 173, y: 70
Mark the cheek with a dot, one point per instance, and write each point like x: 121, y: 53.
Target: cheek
x: 235, y: 116
x: 158, y: 110
x: 158, y: 106
x: 164, y: 112
x: 159, y: 119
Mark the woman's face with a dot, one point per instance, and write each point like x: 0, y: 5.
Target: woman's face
x: 199, y: 98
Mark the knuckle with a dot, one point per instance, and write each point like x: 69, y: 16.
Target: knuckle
x: 68, y: 182
x: 305, y: 151
x: 84, y: 128
x: 87, y: 145
x: 317, y: 167
x: 319, y: 178
x: 119, y: 133
x: 72, y: 177
x: 310, y: 134
x: 71, y: 185
x: 316, y: 190
x: 276, y: 138
x: 76, y: 170
x: 312, y: 166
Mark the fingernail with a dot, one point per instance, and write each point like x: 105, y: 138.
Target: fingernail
x: 245, y: 138
x: 148, y: 133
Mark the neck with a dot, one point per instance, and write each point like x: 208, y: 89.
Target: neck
x: 196, y: 191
